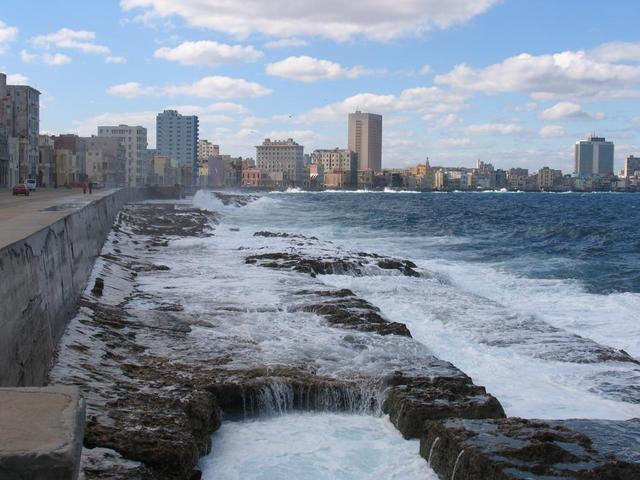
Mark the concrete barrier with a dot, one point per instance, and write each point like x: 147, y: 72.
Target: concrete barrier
x: 41, y: 433
x: 41, y: 279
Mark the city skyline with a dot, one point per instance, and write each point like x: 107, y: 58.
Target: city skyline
x: 448, y: 87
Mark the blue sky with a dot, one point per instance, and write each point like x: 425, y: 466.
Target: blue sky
x: 513, y: 82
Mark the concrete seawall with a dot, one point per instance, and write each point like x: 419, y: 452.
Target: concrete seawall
x: 42, y: 277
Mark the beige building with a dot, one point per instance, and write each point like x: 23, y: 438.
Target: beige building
x: 338, y: 160
x: 207, y: 149
x: 106, y: 159
x: 365, y: 138
x: 283, y: 160
x: 134, y: 139
x: 548, y: 178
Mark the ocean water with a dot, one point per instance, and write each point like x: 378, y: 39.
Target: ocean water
x: 520, y: 291
x: 311, y: 446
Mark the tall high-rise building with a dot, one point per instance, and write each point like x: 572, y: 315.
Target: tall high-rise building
x: 631, y: 166
x: 20, y: 115
x: 282, y: 159
x: 134, y: 139
x: 177, y: 138
x: 593, y: 156
x: 365, y: 138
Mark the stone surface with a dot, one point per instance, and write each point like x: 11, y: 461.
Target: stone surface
x: 55, y: 262
x: 411, y: 402
x: 515, y: 448
x: 41, y: 432
x: 342, y: 308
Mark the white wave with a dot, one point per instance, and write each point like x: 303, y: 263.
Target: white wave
x: 307, y: 446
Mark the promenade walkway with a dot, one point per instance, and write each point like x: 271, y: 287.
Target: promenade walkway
x: 22, y: 216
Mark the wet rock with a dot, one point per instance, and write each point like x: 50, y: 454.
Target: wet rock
x: 107, y: 464
x: 235, y: 200
x: 267, y: 234
x: 515, y: 448
x: 160, y: 220
x: 98, y: 286
x: 329, y: 265
x: 405, y: 266
x: 411, y: 402
x: 346, y: 310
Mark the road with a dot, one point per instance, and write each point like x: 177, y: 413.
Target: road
x: 22, y: 216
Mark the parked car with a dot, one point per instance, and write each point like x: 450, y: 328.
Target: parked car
x: 21, y: 189
x: 98, y: 185
x: 31, y: 184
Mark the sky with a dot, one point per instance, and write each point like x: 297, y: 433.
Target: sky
x: 511, y: 82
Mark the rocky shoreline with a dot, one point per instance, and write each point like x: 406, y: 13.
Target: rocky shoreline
x: 155, y: 394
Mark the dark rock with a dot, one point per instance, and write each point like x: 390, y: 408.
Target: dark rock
x: 411, y: 402
x: 515, y: 448
x: 235, y: 200
x: 348, y: 311
x: 267, y: 234
x: 405, y: 266
x: 327, y: 266
x: 98, y: 287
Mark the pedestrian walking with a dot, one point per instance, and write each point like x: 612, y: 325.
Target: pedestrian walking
x: 84, y: 187
x: 90, y: 188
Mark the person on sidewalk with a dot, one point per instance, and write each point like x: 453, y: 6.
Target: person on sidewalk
x: 90, y: 188
x: 84, y: 187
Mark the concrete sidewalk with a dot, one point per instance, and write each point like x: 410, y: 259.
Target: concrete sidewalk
x: 22, y: 216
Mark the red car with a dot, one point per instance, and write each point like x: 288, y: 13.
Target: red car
x: 21, y: 189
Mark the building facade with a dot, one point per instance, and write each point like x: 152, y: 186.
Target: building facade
x: 46, y: 161
x: 338, y: 161
x: 177, y: 138
x: 365, y: 138
x: 283, y: 160
x: 631, y: 166
x: 207, y: 149
x: 134, y: 140
x: 20, y: 115
x: 594, y: 156
x: 105, y: 160
x: 548, y: 178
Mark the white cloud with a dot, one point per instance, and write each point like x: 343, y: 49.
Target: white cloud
x: 115, y: 59
x: 206, y: 52
x: 89, y: 126
x: 219, y: 112
x: 425, y: 70
x: 308, y: 138
x: 207, y: 87
x: 493, y: 129
x: 568, y: 74
x: 617, y: 51
x: 528, y: 107
x: 549, y: 131
x: 7, y: 35
x: 286, y: 42
x: 418, y: 99
x: 567, y: 110
x: 17, y: 79
x: 335, y: 19
x: 308, y: 69
x: 452, y: 142
x: 218, y: 87
x: 129, y: 90
x: 449, y: 120
x: 45, y: 58
x: 81, y: 40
